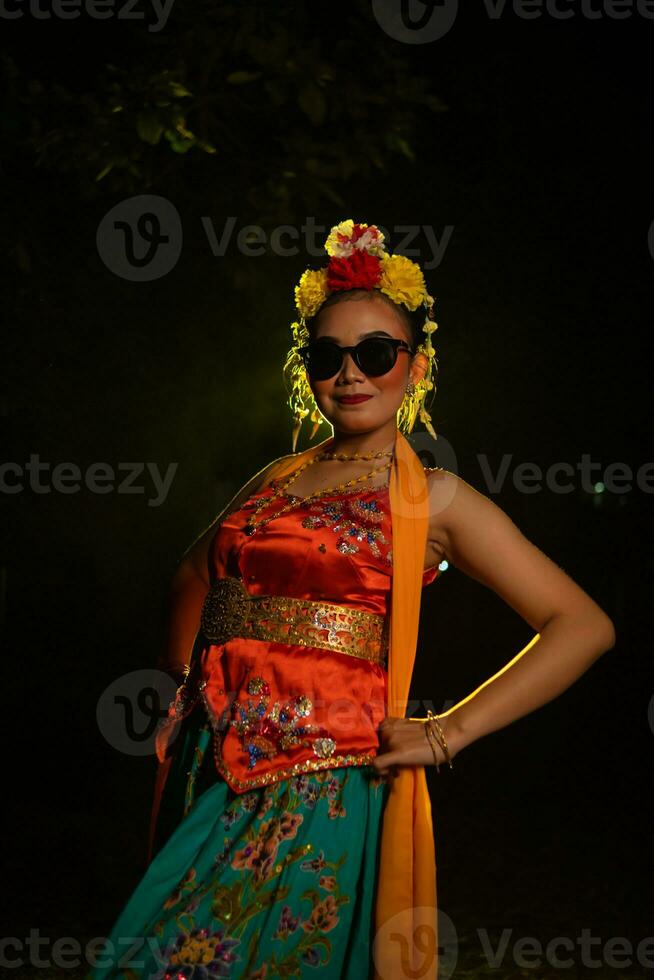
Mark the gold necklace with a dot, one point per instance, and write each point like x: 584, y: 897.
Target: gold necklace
x: 370, y: 455
x: 253, y: 525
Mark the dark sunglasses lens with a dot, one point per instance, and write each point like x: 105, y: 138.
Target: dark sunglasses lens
x: 323, y: 361
x: 376, y: 357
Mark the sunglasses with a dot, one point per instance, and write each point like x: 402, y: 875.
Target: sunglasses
x: 374, y: 356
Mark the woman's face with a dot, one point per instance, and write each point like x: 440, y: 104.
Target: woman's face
x: 346, y: 323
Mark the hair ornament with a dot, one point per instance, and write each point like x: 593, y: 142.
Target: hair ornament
x: 358, y: 260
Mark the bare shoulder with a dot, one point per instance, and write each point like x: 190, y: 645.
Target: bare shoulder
x: 442, y: 486
x: 459, y: 513
x: 481, y: 540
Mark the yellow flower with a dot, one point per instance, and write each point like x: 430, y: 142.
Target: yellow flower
x: 371, y: 240
x: 311, y: 292
x: 402, y: 280
x: 332, y: 245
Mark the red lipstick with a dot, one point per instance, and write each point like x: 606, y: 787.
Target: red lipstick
x: 354, y: 399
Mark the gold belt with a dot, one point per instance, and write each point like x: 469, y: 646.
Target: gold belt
x: 230, y: 611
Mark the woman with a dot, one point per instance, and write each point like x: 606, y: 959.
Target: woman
x: 291, y: 824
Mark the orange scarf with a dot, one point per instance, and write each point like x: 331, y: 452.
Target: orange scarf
x: 406, y: 925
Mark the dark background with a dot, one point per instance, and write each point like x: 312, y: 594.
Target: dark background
x: 535, y: 150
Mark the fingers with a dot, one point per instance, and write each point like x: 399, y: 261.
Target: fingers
x: 390, y: 773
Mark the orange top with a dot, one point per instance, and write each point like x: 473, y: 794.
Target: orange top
x: 281, y: 708
x: 337, y: 549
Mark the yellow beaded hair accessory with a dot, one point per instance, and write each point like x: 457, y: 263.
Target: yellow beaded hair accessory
x: 359, y: 260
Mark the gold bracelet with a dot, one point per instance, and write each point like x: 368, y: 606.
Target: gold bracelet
x: 440, y: 736
x: 445, y: 746
x: 431, y: 738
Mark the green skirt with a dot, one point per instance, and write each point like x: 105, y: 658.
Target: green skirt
x: 279, y: 881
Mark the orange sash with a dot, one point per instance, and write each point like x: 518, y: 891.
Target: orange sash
x: 406, y: 924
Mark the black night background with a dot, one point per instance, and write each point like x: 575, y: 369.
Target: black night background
x: 522, y: 145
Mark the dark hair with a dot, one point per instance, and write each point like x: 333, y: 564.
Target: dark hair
x: 413, y: 320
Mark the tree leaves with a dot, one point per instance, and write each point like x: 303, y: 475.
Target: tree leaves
x: 149, y: 126
x: 313, y: 103
x: 295, y: 111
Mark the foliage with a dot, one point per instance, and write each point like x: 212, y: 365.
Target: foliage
x: 273, y: 104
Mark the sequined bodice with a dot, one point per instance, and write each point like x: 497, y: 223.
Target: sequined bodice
x: 277, y: 708
x: 337, y: 548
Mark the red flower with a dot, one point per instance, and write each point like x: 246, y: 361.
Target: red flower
x: 359, y: 271
x: 358, y: 231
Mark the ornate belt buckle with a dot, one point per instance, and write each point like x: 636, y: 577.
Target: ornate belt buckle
x: 224, y: 611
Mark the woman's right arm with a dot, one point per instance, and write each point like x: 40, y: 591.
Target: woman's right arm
x: 190, y: 584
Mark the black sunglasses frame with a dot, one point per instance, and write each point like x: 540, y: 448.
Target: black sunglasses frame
x: 396, y: 344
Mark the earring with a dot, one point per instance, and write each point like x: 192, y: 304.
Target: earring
x: 410, y: 389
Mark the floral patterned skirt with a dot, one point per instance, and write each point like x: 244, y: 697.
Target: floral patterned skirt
x: 275, y: 882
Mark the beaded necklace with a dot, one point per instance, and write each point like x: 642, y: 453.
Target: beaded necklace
x: 253, y: 524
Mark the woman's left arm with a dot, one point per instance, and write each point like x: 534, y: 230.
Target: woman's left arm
x: 572, y: 631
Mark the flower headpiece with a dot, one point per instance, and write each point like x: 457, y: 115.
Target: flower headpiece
x: 359, y: 260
